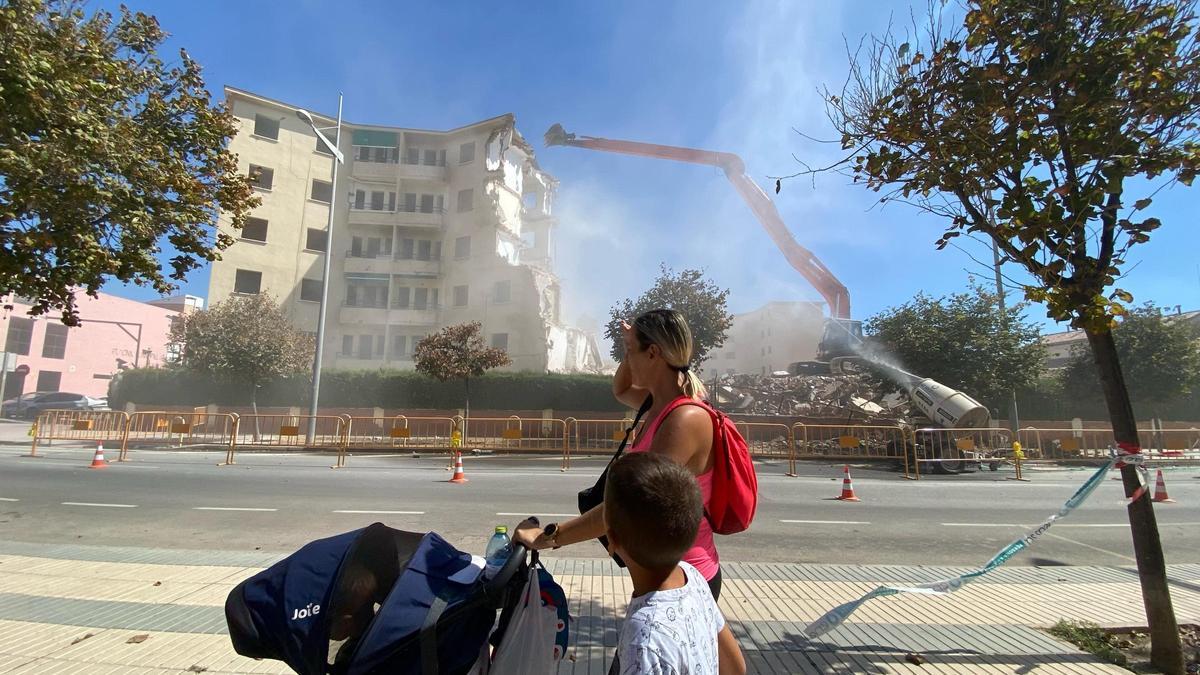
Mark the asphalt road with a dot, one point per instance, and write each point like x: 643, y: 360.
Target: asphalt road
x: 279, y: 502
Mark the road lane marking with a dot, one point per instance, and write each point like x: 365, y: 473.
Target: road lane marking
x: 547, y: 515
x: 109, y: 506
x: 228, y: 508
x: 1093, y: 524
x: 983, y: 525
x: 8, y: 499
x: 388, y: 513
x: 1094, y: 548
x: 827, y: 522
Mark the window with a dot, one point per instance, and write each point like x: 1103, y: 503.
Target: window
x: 426, y: 203
x: 502, y: 291
x: 362, y: 153
x: 466, y: 153
x: 55, y: 344
x: 266, y: 127
x: 424, y: 249
x: 360, y: 199
x: 20, y: 335
x: 402, y: 297
x: 410, y: 202
x: 437, y: 250
x: 247, y: 281
x: 315, y: 241
x: 435, y: 158
x: 379, y: 345
x: 261, y: 177
x: 366, y: 344
x: 460, y: 296
x: 377, y: 198
x: 466, y: 200
x: 421, y: 298
x: 310, y: 290
x: 322, y: 191
x: 400, y: 346
x: 391, y: 201
x: 500, y: 340
x: 49, y: 380
x: 433, y: 298
x: 347, y: 345
x: 462, y: 248
x: 255, y: 229
x: 406, y: 249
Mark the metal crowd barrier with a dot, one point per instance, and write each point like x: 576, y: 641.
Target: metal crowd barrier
x: 1094, y: 446
x: 854, y: 442
x: 961, y: 450
x: 79, y: 425
x: 165, y: 430
x: 515, y: 434
x: 400, y: 433
x: 269, y: 432
x: 768, y: 440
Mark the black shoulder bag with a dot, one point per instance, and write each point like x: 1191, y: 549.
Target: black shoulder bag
x: 590, y: 498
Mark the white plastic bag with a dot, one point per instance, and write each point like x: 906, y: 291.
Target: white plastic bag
x: 528, y: 644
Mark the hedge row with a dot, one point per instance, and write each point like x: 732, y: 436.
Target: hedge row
x: 369, y: 388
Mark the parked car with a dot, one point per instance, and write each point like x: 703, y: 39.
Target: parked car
x: 38, y: 402
x: 14, y: 408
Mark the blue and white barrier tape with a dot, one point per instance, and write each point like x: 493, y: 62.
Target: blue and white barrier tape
x: 834, y: 617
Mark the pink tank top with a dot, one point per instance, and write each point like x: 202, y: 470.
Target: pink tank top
x: 703, y: 553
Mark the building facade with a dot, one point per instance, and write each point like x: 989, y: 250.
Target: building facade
x: 1061, y: 347
x: 114, y: 334
x: 768, y: 339
x: 431, y: 228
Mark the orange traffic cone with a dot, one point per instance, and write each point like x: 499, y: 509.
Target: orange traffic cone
x: 847, y: 487
x: 98, y: 459
x: 459, y: 476
x: 1160, y: 490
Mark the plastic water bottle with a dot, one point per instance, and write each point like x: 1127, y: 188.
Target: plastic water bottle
x: 498, y: 550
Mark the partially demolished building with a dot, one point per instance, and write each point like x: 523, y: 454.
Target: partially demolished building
x: 431, y: 228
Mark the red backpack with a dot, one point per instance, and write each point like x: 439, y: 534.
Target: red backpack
x: 734, y: 498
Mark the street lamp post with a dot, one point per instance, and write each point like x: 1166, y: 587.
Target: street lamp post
x: 338, y: 158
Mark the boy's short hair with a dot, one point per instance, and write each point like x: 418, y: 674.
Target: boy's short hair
x: 653, y: 506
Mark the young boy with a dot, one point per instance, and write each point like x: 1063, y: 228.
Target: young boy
x: 652, y: 509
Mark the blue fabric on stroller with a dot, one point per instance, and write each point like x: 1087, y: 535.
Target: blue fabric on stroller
x: 388, y: 601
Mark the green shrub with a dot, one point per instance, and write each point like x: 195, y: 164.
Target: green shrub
x: 1090, y: 638
x: 370, y: 388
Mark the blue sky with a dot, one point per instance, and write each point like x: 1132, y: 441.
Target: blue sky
x: 734, y: 76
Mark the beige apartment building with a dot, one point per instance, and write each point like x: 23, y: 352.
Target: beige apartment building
x: 769, y: 339
x: 431, y: 228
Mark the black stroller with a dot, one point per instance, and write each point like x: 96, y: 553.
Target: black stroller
x: 373, y: 601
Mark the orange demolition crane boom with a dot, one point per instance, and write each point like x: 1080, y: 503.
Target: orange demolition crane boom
x: 841, y: 331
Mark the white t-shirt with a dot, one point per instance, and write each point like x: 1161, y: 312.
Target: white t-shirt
x: 672, y: 632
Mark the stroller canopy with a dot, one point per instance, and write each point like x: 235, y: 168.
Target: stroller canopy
x: 371, y: 601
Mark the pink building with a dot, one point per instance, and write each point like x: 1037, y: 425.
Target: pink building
x: 115, y: 333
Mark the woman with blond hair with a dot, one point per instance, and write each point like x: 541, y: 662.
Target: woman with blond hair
x: 657, y: 367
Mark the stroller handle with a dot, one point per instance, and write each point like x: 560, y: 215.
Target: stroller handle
x: 511, y: 566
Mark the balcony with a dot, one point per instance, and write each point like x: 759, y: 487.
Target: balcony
x: 412, y: 316
x: 375, y: 315
x: 364, y: 263
x: 422, y: 171
x: 429, y: 218
x: 374, y: 170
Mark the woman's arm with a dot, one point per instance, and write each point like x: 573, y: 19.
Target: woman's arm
x: 582, y: 528
x: 624, y: 389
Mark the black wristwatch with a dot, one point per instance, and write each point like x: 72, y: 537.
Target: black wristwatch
x: 551, y: 533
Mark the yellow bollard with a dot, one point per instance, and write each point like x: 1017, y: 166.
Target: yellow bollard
x: 1018, y: 458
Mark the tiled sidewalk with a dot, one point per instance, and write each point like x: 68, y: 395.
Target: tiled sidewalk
x: 73, y: 609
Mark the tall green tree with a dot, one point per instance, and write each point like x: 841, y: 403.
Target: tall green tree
x: 458, y: 353
x: 963, y: 341
x: 245, y: 339
x: 1161, y: 357
x: 109, y: 155
x: 700, y: 300
x: 1045, y: 126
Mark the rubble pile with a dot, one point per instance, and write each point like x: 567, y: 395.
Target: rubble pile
x: 808, y: 396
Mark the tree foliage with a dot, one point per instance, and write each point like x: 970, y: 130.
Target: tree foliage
x: 457, y: 353
x: 247, y: 339
x: 700, y: 300
x: 1029, y: 125
x: 106, y: 153
x: 1160, y: 356
x: 962, y: 341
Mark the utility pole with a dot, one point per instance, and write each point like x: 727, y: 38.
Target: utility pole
x: 1014, y: 421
